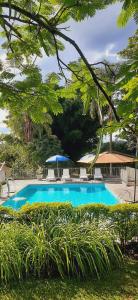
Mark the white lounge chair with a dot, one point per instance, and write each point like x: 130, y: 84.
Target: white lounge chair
x: 66, y: 175
x: 11, y: 185
x: 51, y: 175
x: 83, y: 174
x: 98, y: 174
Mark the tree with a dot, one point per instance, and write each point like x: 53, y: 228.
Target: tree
x: 119, y: 146
x: 35, y: 25
x: 24, y: 154
x: 30, y: 27
x: 129, y: 85
x: 128, y: 82
x: 27, y: 28
x: 32, y: 97
x: 75, y: 129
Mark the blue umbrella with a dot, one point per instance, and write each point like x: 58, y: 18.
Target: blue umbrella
x: 57, y: 159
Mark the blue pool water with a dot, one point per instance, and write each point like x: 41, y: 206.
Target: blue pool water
x: 76, y: 194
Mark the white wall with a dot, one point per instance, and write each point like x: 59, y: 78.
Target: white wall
x: 128, y: 175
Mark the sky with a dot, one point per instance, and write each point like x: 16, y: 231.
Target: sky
x: 98, y: 37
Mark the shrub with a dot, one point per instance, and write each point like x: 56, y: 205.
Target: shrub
x: 92, y: 212
x: 10, y: 258
x: 85, y: 249
x: 67, y: 250
x: 124, y: 218
x: 22, y: 251
x: 7, y: 214
x: 41, y: 212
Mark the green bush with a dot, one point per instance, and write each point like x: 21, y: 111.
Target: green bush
x: 7, y: 214
x: 17, y: 242
x: 124, y: 219
x: 66, y: 250
x: 92, y: 212
x: 43, y: 212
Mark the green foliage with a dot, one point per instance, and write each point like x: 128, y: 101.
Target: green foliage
x: 67, y: 250
x: 125, y: 221
x: 120, y: 146
x: 126, y: 102
x: 127, y: 83
x: 15, y: 155
x: 92, y: 212
x: 24, y: 155
x: 36, y: 30
x: 7, y: 214
x: 10, y: 259
x: 118, y: 285
x: 123, y: 218
x: 129, y: 10
x: 78, y: 135
x: 44, y: 145
x: 16, y: 251
x: 31, y: 96
x: 43, y: 212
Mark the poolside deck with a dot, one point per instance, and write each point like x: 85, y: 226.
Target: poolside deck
x: 120, y: 190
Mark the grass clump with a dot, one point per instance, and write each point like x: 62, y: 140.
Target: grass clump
x: 65, y: 250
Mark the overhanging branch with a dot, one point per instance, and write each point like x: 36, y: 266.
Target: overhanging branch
x: 40, y: 20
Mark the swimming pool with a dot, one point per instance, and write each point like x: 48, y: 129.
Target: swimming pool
x: 76, y: 194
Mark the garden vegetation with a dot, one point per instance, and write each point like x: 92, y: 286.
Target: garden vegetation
x: 57, y: 240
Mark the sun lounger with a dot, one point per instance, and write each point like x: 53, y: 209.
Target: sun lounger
x: 98, y: 174
x: 51, y: 175
x: 66, y: 175
x: 83, y: 174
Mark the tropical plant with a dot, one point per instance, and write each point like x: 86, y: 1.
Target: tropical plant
x: 22, y: 153
x: 122, y: 218
x: 66, y: 250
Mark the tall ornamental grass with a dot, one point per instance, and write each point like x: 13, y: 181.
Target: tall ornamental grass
x: 123, y: 218
x: 73, y: 250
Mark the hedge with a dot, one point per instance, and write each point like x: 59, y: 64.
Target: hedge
x: 123, y: 218
x: 7, y: 214
x: 41, y: 212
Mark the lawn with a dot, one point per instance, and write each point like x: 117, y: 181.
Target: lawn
x: 120, y: 285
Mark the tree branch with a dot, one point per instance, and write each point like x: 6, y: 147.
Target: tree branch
x: 58, y: 59
x: 13, y: 28
x: 18, y: 19
x: 37, y: 18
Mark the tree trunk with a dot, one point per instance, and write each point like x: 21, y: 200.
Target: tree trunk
x: 27, y: 128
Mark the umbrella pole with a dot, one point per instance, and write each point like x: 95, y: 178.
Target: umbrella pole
x: 57, y: 169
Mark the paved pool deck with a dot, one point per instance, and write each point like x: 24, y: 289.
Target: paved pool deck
x: 120, y: 190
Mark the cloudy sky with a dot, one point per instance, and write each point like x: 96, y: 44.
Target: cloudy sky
x: 98, y: 37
